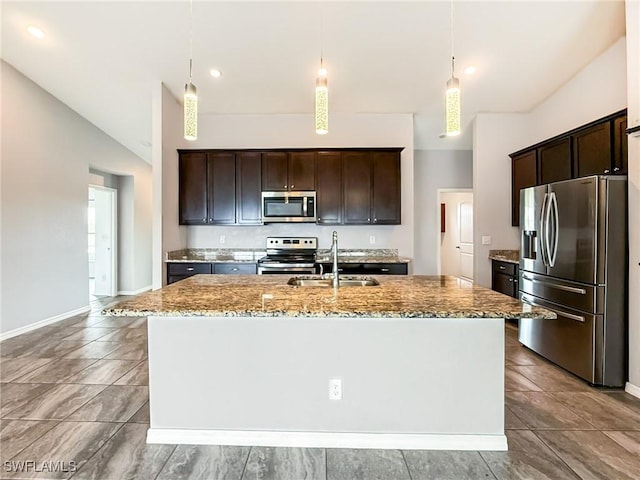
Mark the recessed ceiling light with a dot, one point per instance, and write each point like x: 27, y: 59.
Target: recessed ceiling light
x: 35, y: 31
x: 215, y: 73
x: 470, y: 70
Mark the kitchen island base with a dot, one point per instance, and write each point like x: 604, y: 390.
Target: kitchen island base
x: 407, y: 383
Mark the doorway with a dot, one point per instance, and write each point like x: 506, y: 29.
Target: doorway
x: 102, y: 241
x: 455, y: 212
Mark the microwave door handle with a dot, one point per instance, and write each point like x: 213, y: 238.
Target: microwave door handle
x: 556, y: 233
x: 304, y: 206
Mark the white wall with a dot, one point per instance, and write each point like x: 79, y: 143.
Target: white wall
x: 167, y: 126
x: 47, y: 151
x: 597, y: 90
x: 277, y: 131
x: 435, y: 169
x: 633, y: 85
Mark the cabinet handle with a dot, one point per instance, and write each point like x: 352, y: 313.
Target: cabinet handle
x: 375, y: 220
x: 189, y: 269
x: 510, y: 279
x: 234, y: 269
x: 384, y: 269
x: 211, y: 220
x: 285, y: 186
x: 606, y: 171
x: 292, y: 186
x: 368, y: 219
x: 502, y: 267
x: 616, y: 169
x: 204, y: 220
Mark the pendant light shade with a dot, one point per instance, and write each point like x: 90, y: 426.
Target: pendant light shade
x: 452, y: 106
x: 322, y: 102
x: 190, y: 112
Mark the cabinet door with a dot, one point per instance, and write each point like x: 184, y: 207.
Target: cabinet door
x: 329, y: 187
x: 523, y: 175
x: 249, y: 175
x: 620, y: 140
x: 302, y: 169
x: 356, y: 176
x: 275, y: 171
x: 221, y: 174
x: 386, y: 188
x: 192, y: 202
x: 504, y: 284
x: 554, y: 161
x: 592, y: 151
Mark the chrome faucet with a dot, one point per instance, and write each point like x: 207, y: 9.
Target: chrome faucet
x: 334, y: 252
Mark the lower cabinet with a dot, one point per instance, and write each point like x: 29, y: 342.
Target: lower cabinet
x: 180, y: 271
x: 367, y: 268
x: 504, y: 277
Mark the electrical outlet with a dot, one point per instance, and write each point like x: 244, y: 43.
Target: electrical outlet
x: 335, y: 389
x: 486, y: 239
x: 372, y: 239
x: 223, y: 239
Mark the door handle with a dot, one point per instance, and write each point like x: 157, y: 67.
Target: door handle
x: 557, y: 286
x: 577, y: 318
x: 556, y: 225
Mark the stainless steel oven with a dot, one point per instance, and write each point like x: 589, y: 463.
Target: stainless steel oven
x: 289, y: 255
x: 285, y: 207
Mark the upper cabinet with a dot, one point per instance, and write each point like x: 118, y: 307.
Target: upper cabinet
x: 282, y: 171
x: 524, y: 174
x: 356, y: 186
x: 219, y: 188
x: 598, y: 148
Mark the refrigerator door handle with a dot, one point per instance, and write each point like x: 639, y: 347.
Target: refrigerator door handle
x: 564, y: 313
x: 543, y: 230
x: 557, y: 286
x: 556, y: 222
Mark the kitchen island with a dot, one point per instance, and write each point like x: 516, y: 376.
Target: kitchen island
x: 418, y: 362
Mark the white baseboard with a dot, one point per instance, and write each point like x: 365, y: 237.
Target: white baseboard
x: 134, y: 292
x: 42, y: 323
x: 328, y: 440
x: 632, y: 389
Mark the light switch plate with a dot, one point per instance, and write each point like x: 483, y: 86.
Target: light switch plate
x: 486, y: 239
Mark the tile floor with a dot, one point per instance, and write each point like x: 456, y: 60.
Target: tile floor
x: 74, y: 402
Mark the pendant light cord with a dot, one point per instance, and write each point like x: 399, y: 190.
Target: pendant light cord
x: 451, y: 28
x: 190, y: 39
x: 321, y: 32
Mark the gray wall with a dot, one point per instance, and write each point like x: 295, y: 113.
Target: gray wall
x: 435, y: 169
x: 47, y: 151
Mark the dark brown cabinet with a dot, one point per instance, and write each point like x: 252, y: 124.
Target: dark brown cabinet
x: 620, y: 145
x: 504, y: 277
x: 598, y: 148
x: 282, y: 171
x: 523, y: 174
x: 329, y: 188
x: 554, y: 161
x: 221, y: 180
x: 219, y: 188
x: 356, y: 181
x: 248, y: 188
x: 193, y: 196
x: 386, y: 188
x: 180, y: 271
x: 371, y: 187
x: 592, y: 150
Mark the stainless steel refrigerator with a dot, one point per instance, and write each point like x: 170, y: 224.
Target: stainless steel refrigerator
x: 573, y: 260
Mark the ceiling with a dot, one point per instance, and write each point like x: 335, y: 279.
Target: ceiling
x: 102, y: 59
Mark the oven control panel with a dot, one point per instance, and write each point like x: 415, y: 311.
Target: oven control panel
x: 292, y: 243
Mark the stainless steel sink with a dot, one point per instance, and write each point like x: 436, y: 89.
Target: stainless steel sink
x: 345, y: 281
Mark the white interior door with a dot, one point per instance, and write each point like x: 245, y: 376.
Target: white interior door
x: 465, y: 210
x: 105, y: 241
x: 456, y: 242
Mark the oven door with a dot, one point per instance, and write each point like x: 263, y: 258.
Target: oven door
x: 289, y: 270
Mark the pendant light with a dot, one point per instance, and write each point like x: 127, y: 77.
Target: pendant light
x: 322, y: 91
x: 322, y: 101
x: 452, y: 103
x: 190, y: 93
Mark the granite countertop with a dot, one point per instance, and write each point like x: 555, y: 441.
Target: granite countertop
x: 214, y: 255
x: 362, y: 256
x: 270, y: 296
x: 510, y: 256
x: 249, y: 255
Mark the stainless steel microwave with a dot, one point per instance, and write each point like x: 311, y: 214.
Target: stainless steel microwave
x: 285, y: 207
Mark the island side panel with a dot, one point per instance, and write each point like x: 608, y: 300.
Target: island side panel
x: 442, y: 377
